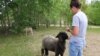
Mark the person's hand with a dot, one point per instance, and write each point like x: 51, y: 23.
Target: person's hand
x: 68, y: 30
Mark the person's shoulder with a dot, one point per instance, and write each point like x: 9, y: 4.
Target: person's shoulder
x: 80, y: 13
x: 84, y: 14
x: 75, y: 16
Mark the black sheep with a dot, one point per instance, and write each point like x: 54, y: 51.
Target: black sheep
x: 57, y: 45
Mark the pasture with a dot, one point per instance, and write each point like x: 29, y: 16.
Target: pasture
x: 22, y: 45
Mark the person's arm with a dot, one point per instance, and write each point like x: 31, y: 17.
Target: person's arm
x: 75, y: 26
x: 74, y: 31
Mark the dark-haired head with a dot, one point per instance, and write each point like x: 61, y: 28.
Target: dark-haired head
x: 75, y: 0
x: 75, y: 5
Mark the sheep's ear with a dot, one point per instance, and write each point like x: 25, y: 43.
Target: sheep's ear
x: 58, y: 35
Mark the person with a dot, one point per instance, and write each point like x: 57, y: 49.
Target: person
x: 77, y: 41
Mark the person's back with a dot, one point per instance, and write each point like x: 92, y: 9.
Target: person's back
x: 83, y: 22
x: 80, y: 20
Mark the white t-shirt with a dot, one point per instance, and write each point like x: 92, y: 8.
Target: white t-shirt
x: 80, y: 20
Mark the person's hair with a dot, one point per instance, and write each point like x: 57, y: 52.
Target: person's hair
x: 75, y: 0
x: 75, y: 3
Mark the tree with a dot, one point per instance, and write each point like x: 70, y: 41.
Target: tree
x: 18, y: 14
x: 93, y: 13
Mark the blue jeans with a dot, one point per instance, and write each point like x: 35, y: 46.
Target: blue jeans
x: 75, y: 50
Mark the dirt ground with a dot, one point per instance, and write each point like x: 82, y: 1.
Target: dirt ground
x: 93, y: 45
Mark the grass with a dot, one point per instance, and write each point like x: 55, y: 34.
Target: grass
x: 14, y: 46
x: 21, y: 45
x: 97, y: 30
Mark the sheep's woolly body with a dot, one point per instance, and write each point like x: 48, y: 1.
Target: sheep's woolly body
x: 55, y: 44
x: 49, y: 42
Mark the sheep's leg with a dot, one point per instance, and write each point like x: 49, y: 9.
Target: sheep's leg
x: 57, y: 54
x: 56, y: 51
x: 46, y: 52
x: 61, y: 54
x: 42, y: 52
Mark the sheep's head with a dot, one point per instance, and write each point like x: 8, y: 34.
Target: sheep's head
x: 62, y: 36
